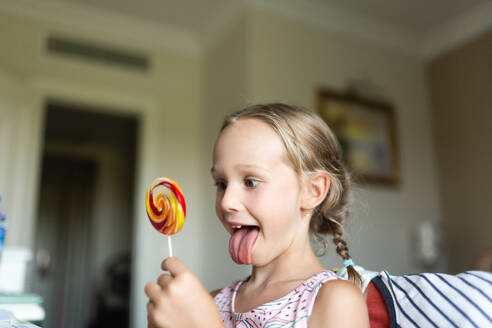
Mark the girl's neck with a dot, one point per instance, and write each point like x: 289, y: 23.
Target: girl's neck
x: 295, y: 264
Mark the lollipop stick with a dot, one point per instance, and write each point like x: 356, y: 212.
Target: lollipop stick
x: 170, y: 245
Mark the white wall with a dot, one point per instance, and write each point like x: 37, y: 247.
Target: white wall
x: 264, y: 58
x: 225, y: 92
x: 289, y: 60
x: 285, y: 60
x: 19, y: 146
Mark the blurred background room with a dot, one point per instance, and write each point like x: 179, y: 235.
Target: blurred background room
x: 97, y: 98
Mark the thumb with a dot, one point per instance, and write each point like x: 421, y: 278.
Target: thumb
x: 174, y: 266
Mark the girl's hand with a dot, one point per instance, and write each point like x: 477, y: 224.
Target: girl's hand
x: 179, y: 299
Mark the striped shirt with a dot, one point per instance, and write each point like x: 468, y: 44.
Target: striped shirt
x: 438, y: 300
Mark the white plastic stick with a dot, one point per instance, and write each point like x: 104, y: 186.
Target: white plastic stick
x: 170, y: 245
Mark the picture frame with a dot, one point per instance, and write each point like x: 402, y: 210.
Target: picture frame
x: 366, y: 131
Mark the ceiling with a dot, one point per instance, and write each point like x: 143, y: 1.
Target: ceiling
x: 414, y: 16
x: 418, y: 16
x: 190, y: 15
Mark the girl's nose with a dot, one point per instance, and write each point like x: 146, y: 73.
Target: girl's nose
x: 230, y: 199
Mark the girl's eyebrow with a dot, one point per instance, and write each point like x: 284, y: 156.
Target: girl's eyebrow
x: 251, y: 167
x: 213, y: 170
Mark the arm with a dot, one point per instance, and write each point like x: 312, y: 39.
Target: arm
x: 339, y: 304
x: 178, y: 299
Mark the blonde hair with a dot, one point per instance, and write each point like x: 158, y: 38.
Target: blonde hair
x: 311, y: 148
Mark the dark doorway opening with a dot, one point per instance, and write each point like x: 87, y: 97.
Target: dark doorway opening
x: 83, y: 240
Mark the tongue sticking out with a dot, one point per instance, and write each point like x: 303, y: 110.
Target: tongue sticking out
x: 241, y: 244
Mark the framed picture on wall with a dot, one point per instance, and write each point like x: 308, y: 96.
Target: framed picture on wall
x: 366, y: 132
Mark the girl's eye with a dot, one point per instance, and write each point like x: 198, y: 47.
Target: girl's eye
x: 221, y: 185
x: 251, y: 183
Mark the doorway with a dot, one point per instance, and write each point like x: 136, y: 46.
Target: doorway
x: 83, y: 240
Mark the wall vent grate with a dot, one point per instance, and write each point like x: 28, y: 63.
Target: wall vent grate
x: 84, y: 50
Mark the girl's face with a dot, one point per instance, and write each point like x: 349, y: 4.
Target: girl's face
x: 258, y: 190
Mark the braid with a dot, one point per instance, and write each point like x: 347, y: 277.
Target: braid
x: 331, y: 215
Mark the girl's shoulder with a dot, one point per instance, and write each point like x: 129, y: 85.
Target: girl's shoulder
x: 321, y: 277
x: 342, y: 303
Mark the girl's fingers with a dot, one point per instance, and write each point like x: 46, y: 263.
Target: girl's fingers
x: 150, y: 308
x: 155, y: 318
x: 150, y: 311
x: 174, y: 266
x: 153, y: 291
x: 164, y: 280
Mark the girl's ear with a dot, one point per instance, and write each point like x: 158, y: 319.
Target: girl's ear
x: 316, y: 188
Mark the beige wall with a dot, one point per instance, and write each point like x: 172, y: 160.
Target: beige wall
x: 289, y: 60
x: 225, y: 91
x: 461, y: 89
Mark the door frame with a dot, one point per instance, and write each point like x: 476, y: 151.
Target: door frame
x: 139, y: 104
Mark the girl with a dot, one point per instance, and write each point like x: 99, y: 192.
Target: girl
x: 280, y: 179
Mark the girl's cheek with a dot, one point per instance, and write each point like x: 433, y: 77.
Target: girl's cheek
x: 218, y: 211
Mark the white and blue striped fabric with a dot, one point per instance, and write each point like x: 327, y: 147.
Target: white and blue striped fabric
x: 440, y: 300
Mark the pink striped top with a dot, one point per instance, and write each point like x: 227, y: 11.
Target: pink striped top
x: 292, y: 310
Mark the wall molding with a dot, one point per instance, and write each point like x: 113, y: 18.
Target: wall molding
x: 336, y: 20
x: 105, y: 23
x: 457, y: 32
x: 425, y: 46
x: 151, y: 35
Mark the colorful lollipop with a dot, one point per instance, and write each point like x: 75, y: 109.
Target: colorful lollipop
x: 166, y: 207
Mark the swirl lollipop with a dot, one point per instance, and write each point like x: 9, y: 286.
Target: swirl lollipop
x: 166, y: 207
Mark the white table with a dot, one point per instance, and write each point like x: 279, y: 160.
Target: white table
x: 23, y: 307
x: 7, y: 320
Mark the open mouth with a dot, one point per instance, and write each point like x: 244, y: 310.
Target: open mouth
x: 242, y: 242
x: 243, y: 226
x: 237, y: 227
